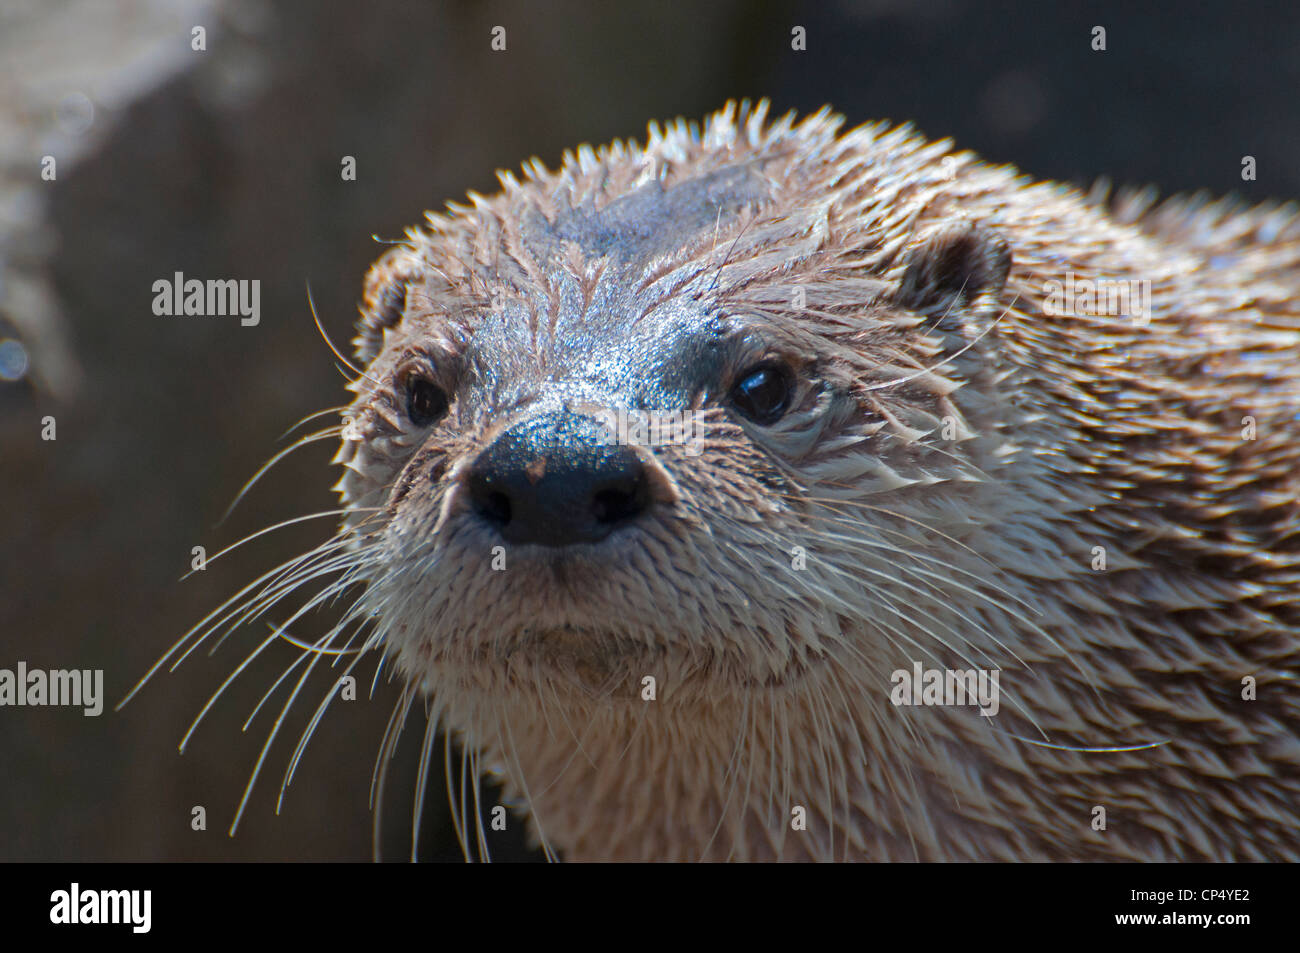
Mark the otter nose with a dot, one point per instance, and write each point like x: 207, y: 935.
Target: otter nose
x: 551, y: 481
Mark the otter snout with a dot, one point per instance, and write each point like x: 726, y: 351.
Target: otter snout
x: 557, y: 479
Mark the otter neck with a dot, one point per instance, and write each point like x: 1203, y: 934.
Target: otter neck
x: 784, y: 774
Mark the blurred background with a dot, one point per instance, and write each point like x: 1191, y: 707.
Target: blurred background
x: 225, y: 163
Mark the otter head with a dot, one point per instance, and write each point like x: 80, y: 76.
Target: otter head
x: 645, y: 447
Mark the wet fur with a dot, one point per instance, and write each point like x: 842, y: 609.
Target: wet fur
x: 651, y: 276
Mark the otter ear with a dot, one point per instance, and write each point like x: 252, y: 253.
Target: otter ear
x: 954, y: 267
x: 383, y: 304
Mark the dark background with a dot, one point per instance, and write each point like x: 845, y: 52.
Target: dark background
x: 225, y: 164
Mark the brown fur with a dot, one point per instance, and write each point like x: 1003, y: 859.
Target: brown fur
x: 907, y: 286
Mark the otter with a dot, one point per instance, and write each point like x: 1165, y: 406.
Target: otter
x: 686, y: 482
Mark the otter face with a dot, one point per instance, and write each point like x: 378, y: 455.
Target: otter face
x: 609, y: 417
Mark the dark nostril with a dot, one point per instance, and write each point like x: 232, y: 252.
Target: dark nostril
x: 492, y: 505
x: 625, y: 501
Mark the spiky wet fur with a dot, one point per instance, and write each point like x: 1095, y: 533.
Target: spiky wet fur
x: 1066, y: 433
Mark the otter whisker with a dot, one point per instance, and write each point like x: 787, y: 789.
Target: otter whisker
x: 337, y: 409
x: 564, y: 767
x: 270, y: 738
x: 319, y: 435
x: 466, y: 779
x: 729, y: 778
x: 1110, y: 749
x: 277, y: 633
x: 485, y: 855
x: 203, y: 623
x: 853, y: 738
x: 523, y: 782
x: 947, y: 360
x: 742, y: 751
x: 311, y: 647
x: 454, y: 805
x: 787, y: 761
x: 577, y: 739
x: 357, y: 374
x: 387, y: 748
x: 269, y: 597
x: 893, y: 514
x: 271, y: 529
x: 891, y: 631
x: 985, y: 597
x: 835, y: 770
x: 232, y: 617
x: 431, y: 721
x: 212, y: 699
x: 914, y: 555
x: 320, y: 709
x: 374, y: 679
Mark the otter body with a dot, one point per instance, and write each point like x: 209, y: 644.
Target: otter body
x: 933, y: 416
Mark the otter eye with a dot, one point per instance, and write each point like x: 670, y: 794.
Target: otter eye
x: 425, y: 401
x: 762, y: 394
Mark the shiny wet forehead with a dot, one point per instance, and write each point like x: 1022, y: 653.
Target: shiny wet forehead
x: 591, y: 322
